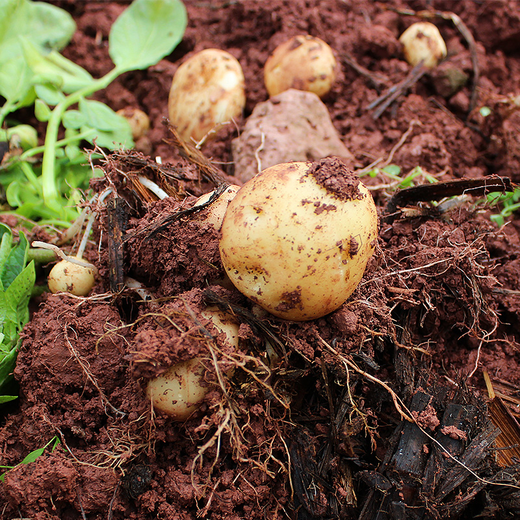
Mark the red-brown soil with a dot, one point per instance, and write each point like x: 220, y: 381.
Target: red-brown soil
x: 305, y: 420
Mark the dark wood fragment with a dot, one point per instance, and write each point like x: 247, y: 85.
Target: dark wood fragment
x: 428, y: 192
x: 117, y: 219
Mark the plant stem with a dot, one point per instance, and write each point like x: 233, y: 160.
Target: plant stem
x: 50, y: 190
x: 41, y: 256
x: 59, y: 144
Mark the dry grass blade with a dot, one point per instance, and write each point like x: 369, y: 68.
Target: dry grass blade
x: 508, y: 441
x: 208, y: 170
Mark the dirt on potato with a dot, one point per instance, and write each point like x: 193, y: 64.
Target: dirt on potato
x: 377, y: 410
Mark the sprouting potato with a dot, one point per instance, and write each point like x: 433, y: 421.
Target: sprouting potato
x: 68, y: 277
x: 304, y: 63
x: 297, y: 237
x: 208, y: 89
x: 423, y: 41
x: 179, y: 391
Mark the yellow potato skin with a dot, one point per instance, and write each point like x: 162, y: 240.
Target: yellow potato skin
x: 179, y: 391
x: 72, y: 278
x: 207, y: 89
x: 423, y: 41
x: 292, y: 246
x: 304, y: 62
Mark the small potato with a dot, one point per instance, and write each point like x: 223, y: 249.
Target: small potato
x: 206, y: 90
x: 68, y: 277
x: 218, y: 208
x: 179, y: 391
x: 297, y: 237
x: 304, y: 63
x: 423, y: 41
x: 137, y: 119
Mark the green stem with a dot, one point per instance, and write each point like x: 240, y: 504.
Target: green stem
x: 41, y: 256
x: 6, y: 109
x: 50, y: 190
x: 59, y: 144
x: 30, y: 175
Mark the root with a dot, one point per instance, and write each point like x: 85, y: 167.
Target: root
x: 85, y: 366
x: 408, y: 416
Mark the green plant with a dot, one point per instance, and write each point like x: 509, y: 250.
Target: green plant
x: 17, y: 277
x: 31, y: 457
x: 393, y: 172
x: 507, y: 203
x: 33, y: 72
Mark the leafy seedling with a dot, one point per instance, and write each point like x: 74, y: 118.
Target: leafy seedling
x: 17, y: 277
x: 33, y: 72
x: 31, y: 457
x: 506, y: 203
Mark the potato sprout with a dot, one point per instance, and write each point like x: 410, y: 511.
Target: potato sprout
x: 423, y: 41
x: 206, y: 90
x: 297, y: 237
x: 218, y: 208
x: 304, y: 63
x: 179, y: 391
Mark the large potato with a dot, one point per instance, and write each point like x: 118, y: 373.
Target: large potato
x: 206, y: 90
x: 297, y: 237
x: 304, y: 63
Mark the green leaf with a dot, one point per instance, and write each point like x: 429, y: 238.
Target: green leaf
x: 146, y: 32
x: 392, y: 169
x: 112, y: 130
x: 46, y: 26
x: 60, y: 71
x: 7, y: 398
x: 73, y: 119
x: 42, y: 110
x: 18, y: 294
x: 16, y: 82
x: 15, y: 262
x: 7, y: 364
x: 49, y: 93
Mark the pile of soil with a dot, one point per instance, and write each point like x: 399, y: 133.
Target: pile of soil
x: 377, y: 410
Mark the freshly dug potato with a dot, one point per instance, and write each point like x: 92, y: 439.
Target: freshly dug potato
x: 206, y: 90
x: 304, y: 63
x: 68, y: 277
x: 179, y: 391
x: 297, y: 237
x: 423, y: 41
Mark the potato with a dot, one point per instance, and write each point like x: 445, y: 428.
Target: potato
x: 423, y: 41
x: 137, y: 119
x: 206, y: 90
x: 68, y: 277
x: 218, y: 208
x: 297, y: 237
x: 179, y: 391
x: 304, y: 63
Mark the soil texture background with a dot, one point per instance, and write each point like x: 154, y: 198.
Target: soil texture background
x: 377, y: 410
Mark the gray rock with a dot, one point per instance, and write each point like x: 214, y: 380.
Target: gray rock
x: 292, y: 126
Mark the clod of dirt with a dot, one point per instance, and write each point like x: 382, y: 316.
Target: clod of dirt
x: 293, y: 126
